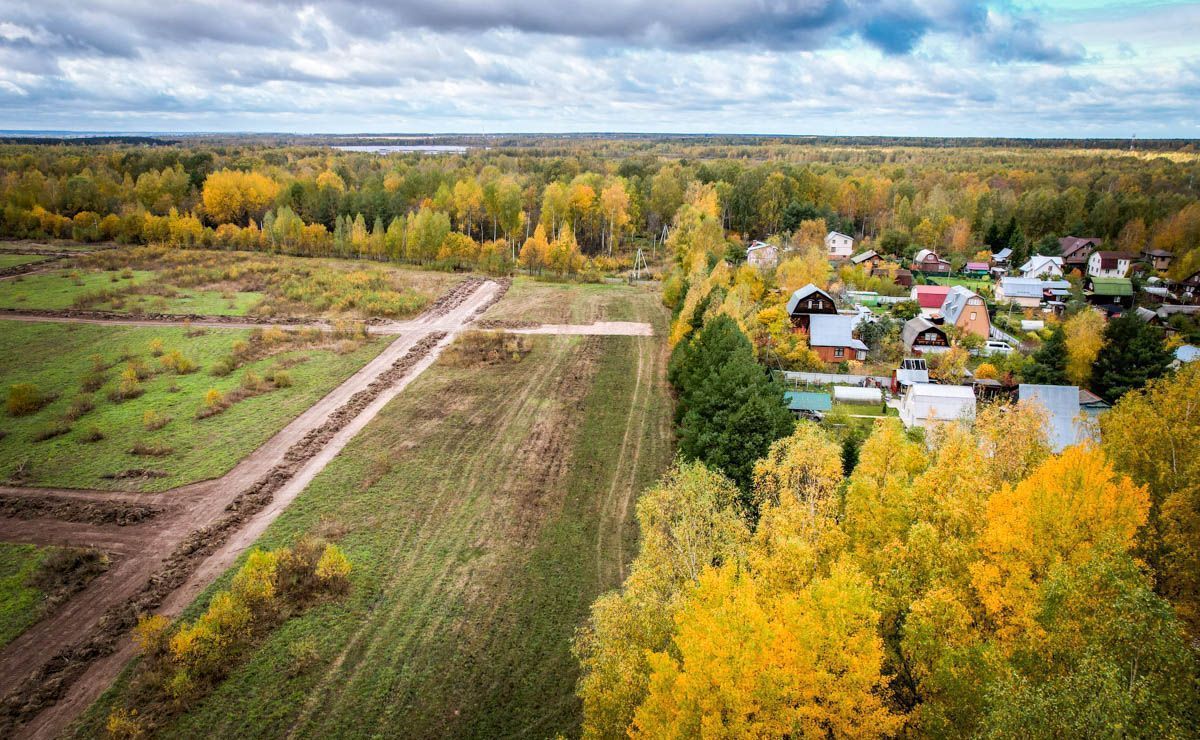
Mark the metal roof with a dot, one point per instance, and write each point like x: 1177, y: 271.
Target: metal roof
x: 914, y: 327
x: 833, y: 330
x: 803, y: 293
x: 1039, y: 263
x: 1015, y: 287
x: 1111, y: 286
x: 1002, y: 255
x: 932, y: 296
x: 808, y: 401
x: 955, y: 301
x: 1187, y: 353
x: 1062, y: 406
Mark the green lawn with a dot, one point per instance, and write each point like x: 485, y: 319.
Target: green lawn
x: 863, y: 409
x: 975, y: 284
x: 12, y: 260
x: 568, y: 303
x: 59, y: 289
x: 19, y: 601
x: 56, y: 357
x: 483, y: 513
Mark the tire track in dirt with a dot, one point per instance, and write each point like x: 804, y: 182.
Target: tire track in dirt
x: 140, y: 584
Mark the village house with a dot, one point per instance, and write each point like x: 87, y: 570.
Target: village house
x: 1039, y: 265
x: 976, y: 269
x: 808, y: 301
x: 912, y: 370
x: 1076, y: 250
x: 1109, y: 264
x: 1158, y: 259
x: 762, y: 255
x: 830, y: 334
x: 1109, y: 291
x: 869, y: 259
x: 967, y: 311
x: 1029, y: 292
x: 1067, y: 413
x: 902, y: 277
x: 927, y: 261
x: 1000, y: 259
x: 930, y: 298
x: 921, y: 335
x: 927, y: 404
x: 838, y: 246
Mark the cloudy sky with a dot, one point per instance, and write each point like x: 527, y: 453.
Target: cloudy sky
x: 904, y: 67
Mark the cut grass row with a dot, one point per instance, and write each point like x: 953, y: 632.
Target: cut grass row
x: 12, y: 260
x: 63, y: 289
x: 19, y: 598
x: 58, y: 358
x: 471, y: 509
x: 558, y: 303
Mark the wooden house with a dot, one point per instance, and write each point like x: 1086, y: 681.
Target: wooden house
x: 808, y: 301
x: 921, y: 335
x: 928, y: 261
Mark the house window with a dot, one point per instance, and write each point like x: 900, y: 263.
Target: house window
x: 973, y: 315
x: 839, y: 352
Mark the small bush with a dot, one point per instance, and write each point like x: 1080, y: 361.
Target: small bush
x: 130, y: 385
x: 224, y: 366
x: 124, y: 724
x: 333, y: 569
x: 24, y: 399
x: 51, y: 430
x: 143, y: 449
x: 92, y: 435
x: 214, y: 403
x: 254, y: 382
x: 79, y: 406
x: 280, y: 378
x: 140, y: 369
x: 177, y: 363
x: 156, y: 347
x: 154, y: 420
x: 93, y: 381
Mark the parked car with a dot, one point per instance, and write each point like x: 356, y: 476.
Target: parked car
x: 996, y: 347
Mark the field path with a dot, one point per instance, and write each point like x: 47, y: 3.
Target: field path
x: 41, y: 675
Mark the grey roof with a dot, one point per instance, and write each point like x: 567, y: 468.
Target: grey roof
x: 759, y: 245
x: 1145, y: 314
x: 864, y: 256
x: 1002, y: 255
x: 1062, y: 405
x: 833, y: 330
x: 913, y: 328
x: 803, y: 293
x: 838, y: 233
x: 1014, y: 287
x: 1039, y: 262
x: 954, y: 303
x: 1187, y: 353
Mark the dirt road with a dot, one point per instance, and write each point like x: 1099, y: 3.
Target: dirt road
x: 54, y: 670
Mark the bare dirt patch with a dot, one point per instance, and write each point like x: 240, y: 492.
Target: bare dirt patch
x: 76, y: 510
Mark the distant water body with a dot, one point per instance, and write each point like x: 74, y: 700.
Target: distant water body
x: 394, y: 148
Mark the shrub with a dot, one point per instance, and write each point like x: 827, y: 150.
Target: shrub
x: 130, y: 385
x: 154, y: 420
x: 254, y: 382
x: 280, y: 378
x: 333, y: 569
x: 93, y: 381
x: 143, y: 449
x: 177, y: 363
x: 92, y: 435
x: 156, y: 347
x: 473, y: 348
x: 124, y: 724
x: 25, y: 399
x: 224, y: 366
x: 214, y: 403
x: 80, y: 405
x: 139, y: 368
x: 51, y: 430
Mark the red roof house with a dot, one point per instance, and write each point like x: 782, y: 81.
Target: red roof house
x: 931, y: 296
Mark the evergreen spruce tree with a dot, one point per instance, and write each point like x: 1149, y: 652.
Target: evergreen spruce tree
x: 1049, y: 365
x: 1133, y: 354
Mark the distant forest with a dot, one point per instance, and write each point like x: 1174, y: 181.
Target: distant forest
x: 299, y: 194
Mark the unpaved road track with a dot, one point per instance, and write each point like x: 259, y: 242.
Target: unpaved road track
x: 142, y: 550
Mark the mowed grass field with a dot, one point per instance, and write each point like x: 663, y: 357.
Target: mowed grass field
x: 19, y: 599
x: 12, y: 260
x: 559, y: 303
x: 59, y: 289
x: 483, y: 510
x: 57, y: 357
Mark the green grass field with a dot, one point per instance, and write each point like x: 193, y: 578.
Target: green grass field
x: 59, y: 289
x: 18, y: 600
x: 975, y: 284
x: 12, y: 260
x: 565, y: 303
x: 484, y: 510
x: 56, y: 357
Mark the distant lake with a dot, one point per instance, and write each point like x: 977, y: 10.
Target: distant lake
x: 394, y: 148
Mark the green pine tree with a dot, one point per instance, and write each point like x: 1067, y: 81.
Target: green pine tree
x: 1133, y: 354
x: 1049, y: 366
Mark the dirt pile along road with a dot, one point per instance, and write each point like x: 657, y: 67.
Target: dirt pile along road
x: 59, y: 666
